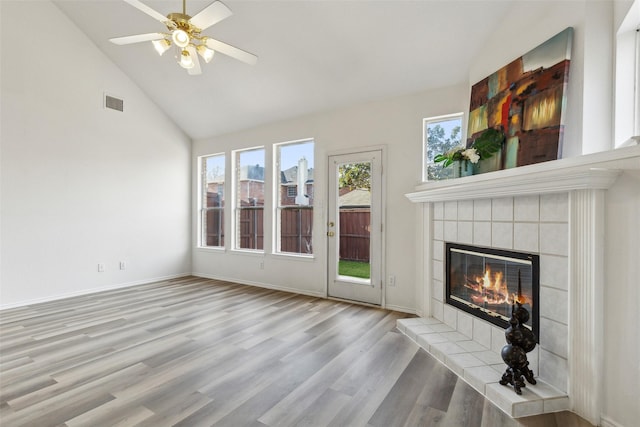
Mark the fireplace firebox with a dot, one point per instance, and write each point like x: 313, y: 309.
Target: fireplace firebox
x: 487, y: 282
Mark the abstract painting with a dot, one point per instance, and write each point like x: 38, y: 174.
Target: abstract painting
x: 525, y: 99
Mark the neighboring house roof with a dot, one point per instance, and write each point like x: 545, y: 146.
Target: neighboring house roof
x: 256, y: 173
x: 291, y: 175
x: 357, y: 197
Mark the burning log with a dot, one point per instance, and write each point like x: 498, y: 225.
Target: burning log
x: 489, y: 295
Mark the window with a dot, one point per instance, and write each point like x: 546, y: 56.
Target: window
x: 212, y: 200
x: 627, y: 79
x: 294, y: 195
x: 440, y: 134
x: 249, y: 199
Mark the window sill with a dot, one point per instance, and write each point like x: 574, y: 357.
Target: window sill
x: 300, y: 257
x: 219, y: 249
x: 256, y: 253
x: 250, y: 252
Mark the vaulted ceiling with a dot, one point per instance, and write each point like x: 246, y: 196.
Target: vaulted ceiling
x: 314, y: 55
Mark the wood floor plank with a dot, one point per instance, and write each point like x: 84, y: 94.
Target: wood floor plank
x: 373, y: 388
x: 111, y: 413
x: 200, y: 352
x: 307, y: 393
x: 322, y: 410
x: 464, y: 407
x: 397, y: 406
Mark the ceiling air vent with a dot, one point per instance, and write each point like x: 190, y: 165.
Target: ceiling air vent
x: 113, y: 103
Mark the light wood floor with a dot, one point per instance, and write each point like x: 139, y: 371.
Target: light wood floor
x: 199, y: 352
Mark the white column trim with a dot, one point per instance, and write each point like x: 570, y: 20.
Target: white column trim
x: 427, y: 256
x: 419, y: 252
x: 586, y: 305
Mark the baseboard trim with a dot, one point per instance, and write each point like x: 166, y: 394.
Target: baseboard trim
x: 349, y: 301
x: 204, y: 276
x: 89, y: 291
x: 261, y: 285
x: 607, y: 422
x: 400, y: 309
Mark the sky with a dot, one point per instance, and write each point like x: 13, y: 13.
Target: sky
x: 448, y: 125
x: 289, y: 156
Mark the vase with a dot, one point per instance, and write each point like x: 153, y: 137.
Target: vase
x: 493, y: 163
x: 462, y: 168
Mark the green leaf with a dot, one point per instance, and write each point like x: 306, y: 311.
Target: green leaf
x: 488, y: 143
x: 355, y: 175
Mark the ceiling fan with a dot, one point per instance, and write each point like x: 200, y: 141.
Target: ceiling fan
x: 184, y: 32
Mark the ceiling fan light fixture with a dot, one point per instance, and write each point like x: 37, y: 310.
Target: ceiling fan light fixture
x: 161, y: 46
x: 184, y: 32
x: 205, y: 53
x: 186, y: 61
x: 180, y: 38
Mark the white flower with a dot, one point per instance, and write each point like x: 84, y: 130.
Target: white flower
x: 471, y: 154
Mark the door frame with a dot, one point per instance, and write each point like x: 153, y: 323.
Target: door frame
x: 383, y: 219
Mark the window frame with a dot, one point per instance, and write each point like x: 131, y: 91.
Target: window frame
x: 627, y: 80
x: 236, y: 199
x: 202, y: 203
x: 277, y: 199
x: 437, y: 119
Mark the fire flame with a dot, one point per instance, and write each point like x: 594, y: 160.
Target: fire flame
x: 491, y: 289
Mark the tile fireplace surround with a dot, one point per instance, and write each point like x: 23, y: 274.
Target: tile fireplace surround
x: 555, y: 209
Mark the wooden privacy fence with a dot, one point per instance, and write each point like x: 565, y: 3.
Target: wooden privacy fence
x: 214, y: 220
x: 355, y: 233
x: 252, y: 227
x: 296, y: 225
x: 296, y: 230
x: 215, y: 226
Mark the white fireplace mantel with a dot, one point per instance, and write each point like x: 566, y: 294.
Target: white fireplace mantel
x: 585, y: 179
x: 590, y: 172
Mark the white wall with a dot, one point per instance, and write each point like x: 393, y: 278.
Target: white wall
x: 82, y: 185
x: 622, y: 301
x: 395, y: 124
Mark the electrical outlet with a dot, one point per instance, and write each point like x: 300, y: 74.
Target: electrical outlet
x: 100, y: 268
x: 261, y: 265
x: 123, y: 265
x: 392, y: 280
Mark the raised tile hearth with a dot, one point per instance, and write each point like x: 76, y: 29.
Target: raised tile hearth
x: 481, y: 368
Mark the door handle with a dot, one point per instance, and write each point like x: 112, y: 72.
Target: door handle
x: 330, y: 233
x: 330, y: 224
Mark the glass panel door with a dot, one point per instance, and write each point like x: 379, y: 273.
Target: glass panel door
x: 354, y: 227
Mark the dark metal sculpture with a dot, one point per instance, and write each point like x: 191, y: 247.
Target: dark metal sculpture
x: 520, y: 341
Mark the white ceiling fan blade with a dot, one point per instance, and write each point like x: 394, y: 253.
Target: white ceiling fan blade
x: 146, y: 9
x: 195, y: 70
x: 137, y: 38
x: 232, y: 51
x: 210, y: 15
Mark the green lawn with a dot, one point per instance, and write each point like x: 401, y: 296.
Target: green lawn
x: 354, y: 269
